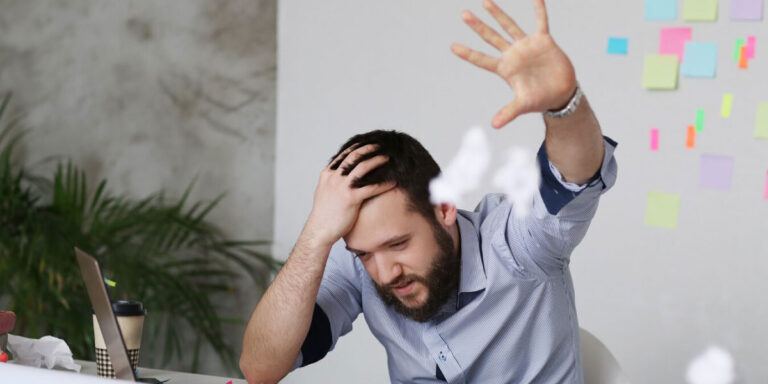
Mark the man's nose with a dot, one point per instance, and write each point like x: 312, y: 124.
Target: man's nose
x: 388, y: 270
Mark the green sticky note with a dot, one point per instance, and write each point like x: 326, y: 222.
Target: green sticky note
x: 761, y: 122
x: 660, y: 72
x: 700, y: 10
x: 699, y: 120
x: 662, y: 210
x: 737, y: 49
x: 725, y: 108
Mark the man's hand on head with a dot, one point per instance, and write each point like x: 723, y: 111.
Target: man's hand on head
x: 540, y: 74
x: 336, y: 202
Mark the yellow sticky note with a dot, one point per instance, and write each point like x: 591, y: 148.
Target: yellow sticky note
x: 725, y: 107
x: 761, y: 122
x: 700, y: 10
x: 662, y: 210
x: 660, y: 72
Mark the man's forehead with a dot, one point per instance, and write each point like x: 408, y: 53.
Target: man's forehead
x: 383, y: 218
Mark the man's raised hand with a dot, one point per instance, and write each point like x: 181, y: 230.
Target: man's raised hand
x: 540, y: 74
x: 336, y: 203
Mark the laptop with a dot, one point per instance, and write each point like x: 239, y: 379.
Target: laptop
x: 110, y: 328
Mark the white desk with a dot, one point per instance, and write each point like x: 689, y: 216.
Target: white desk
x: 89, y: 368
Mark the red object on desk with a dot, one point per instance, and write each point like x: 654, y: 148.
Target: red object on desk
x: 7, y: 320
x: 3, y: 357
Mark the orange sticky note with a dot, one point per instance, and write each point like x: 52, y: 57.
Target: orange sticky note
x: 743, y: 57
x: 690, y: 139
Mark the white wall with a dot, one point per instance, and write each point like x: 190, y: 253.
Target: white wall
x: 656, y: 297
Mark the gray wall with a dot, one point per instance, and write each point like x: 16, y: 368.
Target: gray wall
x: 656, y: 297
x: 151, y: 94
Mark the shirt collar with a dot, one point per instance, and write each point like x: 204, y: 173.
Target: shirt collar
x: 472, y: 269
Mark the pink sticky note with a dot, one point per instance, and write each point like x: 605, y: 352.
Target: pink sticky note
x: 750, y: 47
x: 654, y: 139
x: 765, y: 193
x: 672, y: 41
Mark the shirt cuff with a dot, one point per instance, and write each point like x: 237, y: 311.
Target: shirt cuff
x: 573, y: 187
x: 556, y: 193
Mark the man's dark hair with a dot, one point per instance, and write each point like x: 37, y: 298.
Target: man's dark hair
x: 410, y: 166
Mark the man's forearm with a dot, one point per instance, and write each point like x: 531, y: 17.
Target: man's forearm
x: 575, y: 144
x: 281, y: 320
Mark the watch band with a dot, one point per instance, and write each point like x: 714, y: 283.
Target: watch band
x: 569, y: 108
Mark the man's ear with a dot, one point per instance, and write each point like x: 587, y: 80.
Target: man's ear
x: 445, y: 214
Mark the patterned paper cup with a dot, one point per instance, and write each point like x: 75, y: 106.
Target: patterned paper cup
x: 130, y: 316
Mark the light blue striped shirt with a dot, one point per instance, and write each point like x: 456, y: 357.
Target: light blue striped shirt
x: 514, y: 317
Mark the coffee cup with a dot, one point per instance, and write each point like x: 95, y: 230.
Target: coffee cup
x: 130, y: 317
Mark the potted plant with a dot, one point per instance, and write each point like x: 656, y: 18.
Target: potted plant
x: 161, y: 251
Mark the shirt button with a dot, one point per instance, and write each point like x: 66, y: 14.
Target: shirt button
x: 441, y: 356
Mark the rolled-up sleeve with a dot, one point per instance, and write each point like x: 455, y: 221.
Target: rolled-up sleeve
x: 561, y: 215
x: 337, y: 306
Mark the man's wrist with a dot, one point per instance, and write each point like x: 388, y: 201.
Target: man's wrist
x: 569, y: 107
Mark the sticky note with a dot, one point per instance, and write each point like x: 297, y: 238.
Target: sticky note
x: 700, y: 59
x: 700, y: 10
x: 660, y: 72
x: 654, y: 139
x: 737, y: 49
x: 751, y: 40
x: 662, y: 210
x: 672, y: 41
x: 660, y: 9
x: 715, y: 172
x: 743, y: 62
x: 690, y: 137
x: 618, y: 45
x: 699, y: 120
x: 747, y: 10
x: 725, y: 107
x: 761, y: 122
x: 765, y: 192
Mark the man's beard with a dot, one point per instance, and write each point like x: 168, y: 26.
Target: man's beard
x: 441, y: 281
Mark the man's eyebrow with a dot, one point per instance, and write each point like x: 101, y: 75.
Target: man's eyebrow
x: 393, y: 239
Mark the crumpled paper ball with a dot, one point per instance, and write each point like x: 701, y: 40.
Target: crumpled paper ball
x: 464, y: 172
x: 714, y: 366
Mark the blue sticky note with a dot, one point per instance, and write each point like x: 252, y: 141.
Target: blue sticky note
x: 699, y: 59
x: 660, y: 9
x: 618, y: 45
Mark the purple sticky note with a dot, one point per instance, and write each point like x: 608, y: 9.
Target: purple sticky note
x: 746, y: 9
x: 715, y: 171
x: 672, y: 41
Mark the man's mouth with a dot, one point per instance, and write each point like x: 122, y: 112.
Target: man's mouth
x: 404, y: 288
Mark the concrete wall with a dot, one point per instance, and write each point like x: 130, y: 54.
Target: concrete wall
x: 151, y: 94
x: 656, y: 297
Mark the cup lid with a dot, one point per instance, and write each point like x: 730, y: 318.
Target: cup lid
x: 128, y: 308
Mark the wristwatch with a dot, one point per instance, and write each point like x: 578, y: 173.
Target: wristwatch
x: 569, y: 108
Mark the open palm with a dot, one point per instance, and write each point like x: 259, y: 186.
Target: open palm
x: 539, y: 72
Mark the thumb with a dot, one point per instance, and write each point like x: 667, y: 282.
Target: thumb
x: 507, y: 113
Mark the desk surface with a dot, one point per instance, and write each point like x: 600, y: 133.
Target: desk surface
x: 89, y: 368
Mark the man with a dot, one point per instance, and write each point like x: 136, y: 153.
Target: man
x: 454, y: 296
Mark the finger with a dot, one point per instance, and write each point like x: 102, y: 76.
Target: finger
x: 479, y: 59
x: 353, y: 158
x: 334, y: 164
x: 542, y: 24
x: 365, y: 166
x: 487, y: 33
x: 504, y: 20
x: 372, y: 190
x: 508, y: 113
